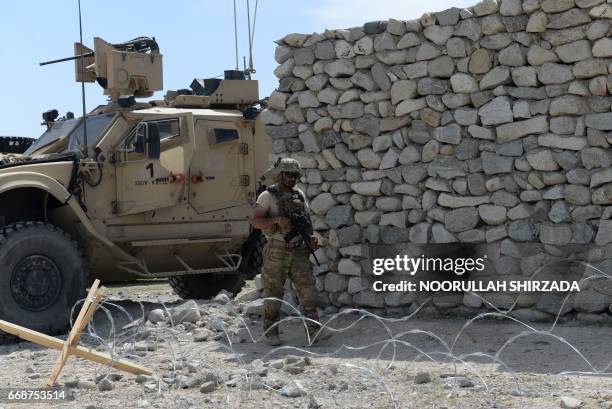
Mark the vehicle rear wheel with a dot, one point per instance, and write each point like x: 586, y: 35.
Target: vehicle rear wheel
x: 42, y: 275
x: 204, y: 286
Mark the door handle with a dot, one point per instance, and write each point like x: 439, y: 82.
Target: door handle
x: 178, y: 178
x: 197, y: 178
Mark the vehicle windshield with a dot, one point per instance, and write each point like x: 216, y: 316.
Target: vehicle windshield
x: 73, y: 127
x: 58, y: 130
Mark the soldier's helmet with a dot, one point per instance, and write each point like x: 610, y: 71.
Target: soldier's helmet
x: 289, y: 165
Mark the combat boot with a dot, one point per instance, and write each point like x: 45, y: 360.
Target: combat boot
x: 273, y: 340
x: 317, y: 336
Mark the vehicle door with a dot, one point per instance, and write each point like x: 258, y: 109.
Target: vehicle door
x: 145, y: 180
x: 219, y: 173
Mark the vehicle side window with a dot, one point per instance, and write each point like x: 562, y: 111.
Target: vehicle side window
x: 221, y: 135
x: 168, y: 129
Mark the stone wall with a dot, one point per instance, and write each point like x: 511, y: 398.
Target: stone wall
x: 486, y: 126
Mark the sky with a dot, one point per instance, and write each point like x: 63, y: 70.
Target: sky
x: 196, y: 38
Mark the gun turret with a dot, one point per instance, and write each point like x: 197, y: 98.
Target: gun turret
x: 132, y: 68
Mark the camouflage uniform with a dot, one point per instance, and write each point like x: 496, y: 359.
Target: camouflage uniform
x: 280, y: 263
x: 282, y: 260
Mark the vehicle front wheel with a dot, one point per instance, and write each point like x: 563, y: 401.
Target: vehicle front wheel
x: 42, y: 275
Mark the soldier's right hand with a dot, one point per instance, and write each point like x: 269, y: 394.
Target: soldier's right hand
x: 284, y: 223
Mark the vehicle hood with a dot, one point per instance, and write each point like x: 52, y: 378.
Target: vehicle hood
x: 8, y: 160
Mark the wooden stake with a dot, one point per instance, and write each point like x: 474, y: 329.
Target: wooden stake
x: 87, y: 311
x: 70, y: 347
x: 78, y: 351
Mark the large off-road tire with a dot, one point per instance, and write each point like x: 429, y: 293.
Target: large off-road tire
x: 14, y: 144
x: 42, y: 275
x: 204, y: 286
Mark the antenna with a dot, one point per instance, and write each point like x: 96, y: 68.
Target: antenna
x: 251, y: 70
x: 236, y: 34
x: 85, y: 148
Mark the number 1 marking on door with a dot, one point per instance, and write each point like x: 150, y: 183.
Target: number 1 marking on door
x: 150, y: 167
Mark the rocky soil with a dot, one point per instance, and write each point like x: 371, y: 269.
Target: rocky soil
x: 186, y: 345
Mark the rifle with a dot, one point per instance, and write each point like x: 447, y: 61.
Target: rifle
x: 300, y: 225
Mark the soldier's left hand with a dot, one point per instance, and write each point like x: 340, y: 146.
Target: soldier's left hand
x: 314, y: 242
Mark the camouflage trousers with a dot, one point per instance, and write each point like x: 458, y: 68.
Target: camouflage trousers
x: 280, y: 263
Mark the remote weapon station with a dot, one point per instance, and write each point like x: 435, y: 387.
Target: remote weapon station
x: 134, y: 189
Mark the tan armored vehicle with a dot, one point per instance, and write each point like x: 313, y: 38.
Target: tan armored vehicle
x: 158, y: 189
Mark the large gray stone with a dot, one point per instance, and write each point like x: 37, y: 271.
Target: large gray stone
x: 493, y: 164
x: 537, y: 23
x: 339, y: 216
x: 448, y: 134
x: 496, y: 112
x: 463, y: 83
x: 538, y: 56
x: 602, y: 195
x: 325, y: 50
x: 340, y: 68
x: 367, y: 124
x: 603, y: 48
x: 480, y: 61
x: 567, y: 105
x: 432, y: 86
x: 601, y: 177
x: 438, y: 34
x: 573, y: 52
x: 393, y: 235
x: 604, y: 233
x: 556, y: 6
x: 486, y: 7
x: 468, y: 28
x: 523, y: 230
x: 335, y: 283
x: 510, y: 8
x: 427, y: 51
x: 408, y: 40
x: 602, y: 122
x: 570, y: 18
x: 573, y: 143
x: 595, y: 158
x: 441, y: 235
x: 492, y: 215
x: 556, y: 235
x: 370, y: 188
x: 496, y: 77
x: 462, y: 219
x: 496, y: 41
x: 380, y: 77
x: 451, y: 201
x: 350, y: 110
x: 403, y: 90
x: 410, y: 105
x: 512, y: 56
x: 442, y: 67
x: 551, y: 73
x: 322, y: 203
x: 542, y: 159
x: 516, y: 130
x: 590, y: 301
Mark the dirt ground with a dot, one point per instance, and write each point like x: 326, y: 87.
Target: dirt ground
x: 417, y: 362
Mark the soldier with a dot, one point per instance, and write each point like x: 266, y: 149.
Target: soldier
x: 285, y: 259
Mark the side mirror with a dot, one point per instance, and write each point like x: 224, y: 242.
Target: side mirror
x: 141, y: 138
x: 153, y: 141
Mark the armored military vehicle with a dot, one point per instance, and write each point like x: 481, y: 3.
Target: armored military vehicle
x: 162, y: 188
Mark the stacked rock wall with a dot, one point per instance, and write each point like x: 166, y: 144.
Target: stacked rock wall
x: 486, y: 126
